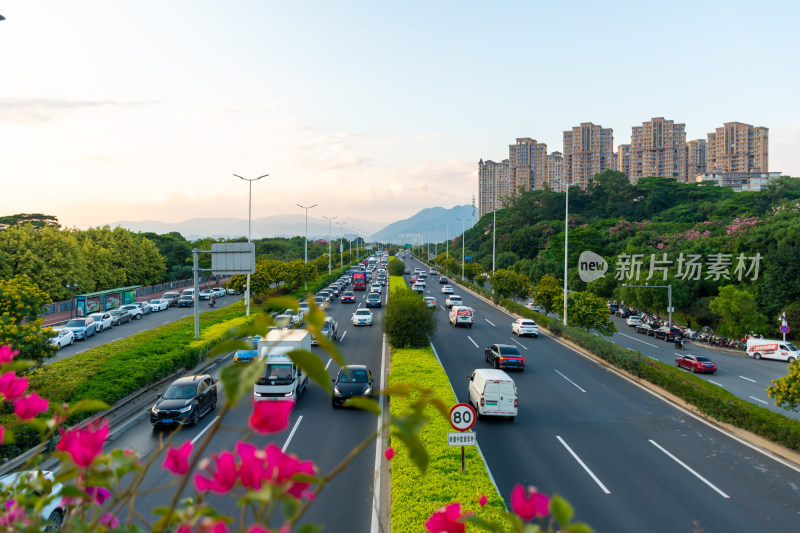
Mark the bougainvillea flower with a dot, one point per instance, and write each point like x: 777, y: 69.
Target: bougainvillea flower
x: 251, y: 468
x: 12, y: 387
x: 14, y: 516
x: 7, y: 354
x: 83, y: 444
x: 98, y: 495
x: 109, y: 520
x: 2, y: 434
x: 445, y: 520
x: 27, y: 407
x: 482, y: 501
x: 224, y: 476
x: 271, y: 417
x: 209, y: 525
x: 531, y: 505
x: 177, y: 460
x: 389, y: 453
x: 281, y: 467
x: 257, y: 529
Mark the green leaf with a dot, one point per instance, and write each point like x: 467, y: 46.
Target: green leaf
x: 482, y: 523
x: 89, y: 405
x: 283, y: 302
x: 561, y: 509
x: 238, y: 380
x: 312, y: 365
x: 365, y: 404
x: 310, y: 528
x: 579, y: 527
x: 407, y: 428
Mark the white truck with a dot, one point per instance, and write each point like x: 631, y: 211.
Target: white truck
x: 772, y: 349
x: 282, y: 380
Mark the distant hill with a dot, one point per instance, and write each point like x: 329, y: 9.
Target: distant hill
x: 427, y: 224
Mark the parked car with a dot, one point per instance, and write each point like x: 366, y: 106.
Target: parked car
x: 535, y: 307
x: 373, y: 300
x: 206, y: 294
x: 525, y: 326
x: 362, y: 317
x: 64, y: 337
x: 504, y: 356
x: 82, y: 328
x: 645, y: 329
x: 453, y: 299
x: 348, y: 297
x: 352, y: 381
x: 185, y: 401
x: 121, y: 316
x: 19, y: 486
x: 623, y: 313
x: 144, y: 306
x: 633, y: 321
x: 612, y: 308
x: 186, y: 301
x: 159, y: 305
x: 135, y: 311
x: 696, y: 363
x: 103, y: 321
x: 447, y: 289
x: 172, y: 297
x: 219, y: 292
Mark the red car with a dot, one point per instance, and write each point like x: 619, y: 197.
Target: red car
x: 348, y: 297
x: 696, y: 363
x: 412, y: 279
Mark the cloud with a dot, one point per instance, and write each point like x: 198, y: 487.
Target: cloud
x: 31, y: 110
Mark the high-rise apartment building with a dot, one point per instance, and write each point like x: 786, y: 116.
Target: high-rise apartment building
x: 555, y: 164
x: 493, y: 185
x: 695, y: 159
x: 527, y: 165
x: 736, y: 148
x: 624, y: 159
x: 658, y: 148
x: 588, y: 150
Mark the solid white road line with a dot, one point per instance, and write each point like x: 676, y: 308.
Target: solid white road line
x: 376, y: 492
x: 717, y: 384
x: 748, y: 379
x: 756, y: 399
x: 575, y: 456
x: 473, y: 342
x: 342, y: 337
x: 565, y: 377
x: 516, y: 341
x: 197, y: 437
x: 638, y: 340
x: 328, y: 364
x: 701, y: 478
x: 289, y: 438
x: 487, y: 320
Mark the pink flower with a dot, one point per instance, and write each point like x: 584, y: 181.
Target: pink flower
x: 389, y: 453
x: 12, y: 387
x: 445, y: 520
x: 257, y: 529
x: 15, y: 515
x: 7, y: 354
x: 224, y: 476
x: 482, y: 501
x: 271, y: 417
x: 281, y: 467
x: 83, y: 444
x: 209, y: 525
x: 28, y: 407
x: 2, y: 434
x: 177, y: 460
x: 109, y: 520
x: 251, y: 469
x: 528, y: 507
x: 98, y: 495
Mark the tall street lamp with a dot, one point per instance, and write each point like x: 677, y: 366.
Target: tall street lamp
x: 306, y: 260
x: 462, y: 246
x: 446, y: 241
x: 249, y: 232
x: 341, y: 242
x: 330, y: 238
x: 494, y: 224
x: 71, y: 287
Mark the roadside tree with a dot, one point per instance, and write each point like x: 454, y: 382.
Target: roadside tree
x: 507, y: 283
x: 549, y: 293
x: 408, y: 322
x: 21, y: 305
x: 738, y: 311
x: 587, y: 311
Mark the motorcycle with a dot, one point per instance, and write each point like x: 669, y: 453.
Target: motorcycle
x: 679, y: 344
x: 212, y: 303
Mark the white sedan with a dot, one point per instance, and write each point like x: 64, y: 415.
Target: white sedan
x: 64, y: 337
x: 525, y: 326
x: 296, y: 316
x: 447, y: 289
x: 159, y: 305
x: 103, y: 321
x: 362, y: 317
x: 375, y: 288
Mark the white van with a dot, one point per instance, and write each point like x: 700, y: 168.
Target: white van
x: 187, y: 292
x: 772, y: 349
x: 461, y: 315
x: 492, y: 393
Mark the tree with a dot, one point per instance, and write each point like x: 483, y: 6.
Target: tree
x: 738, y: 311
x: 786, y: 390
x: 587, y: 311
x: 507, y: 283
x: 21, y: 305
x: 549, y: 293
x: 408, y: 321
x: 396, y: 267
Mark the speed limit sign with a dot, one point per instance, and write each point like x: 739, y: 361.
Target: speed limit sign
x: 462, y: 417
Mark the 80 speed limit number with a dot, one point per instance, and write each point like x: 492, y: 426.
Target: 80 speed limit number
x: 462, y: 417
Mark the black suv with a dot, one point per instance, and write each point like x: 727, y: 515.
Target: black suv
x: 185, y: 401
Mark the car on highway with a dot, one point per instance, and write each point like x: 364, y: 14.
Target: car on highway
x: 245, y: 356
x: 185, y: 401
x: 442, y: 280
x: 696, y: 363
x: 535, y: 307
x: 461, y: 315
x: 321, y: 302
x: 282, y: 321
x: 645, y: 329
x: 504, y: 356
x: 633, y: 321
x: 373, y: 300
x: 430, y: 301
x: 135, y: 311
x: 186, y: 301
x: 19, y: 486
x: 121, y: 316
x: 159, y: 304
x: 303, y: 308
x: 219, y: 292
x: 447, y: 289
x: 206, y: 294
x: 296, y: 316
x: 418, y: 287
x: 103, y: 321
x: 362, y: 317
x: 412, y: 279
x: 352, y: 381
x: 453, y: 299
x: 525, y: 326
x: 329, y: 330
x: 81, y: 328
x: 375, y: 288
x: 348, y: 297
x: 326, y: 295
x: 492, y: 393
x: 64, y: 337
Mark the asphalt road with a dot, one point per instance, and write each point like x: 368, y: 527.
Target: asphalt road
x: 623, y: 457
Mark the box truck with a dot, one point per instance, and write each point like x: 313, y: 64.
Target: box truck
x: 282, y: 380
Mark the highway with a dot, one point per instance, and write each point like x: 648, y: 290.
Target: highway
x: 626, y: 459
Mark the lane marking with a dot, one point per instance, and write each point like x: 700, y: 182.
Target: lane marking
x: 473, y: 342
x: 638, y: 340
x: 342, y: 337
x: 516, y: 341
x: 717, y: 384
x: 565, y: 377
x: 487, y: 320
x: 197, y: 437
x: 328, y: 364
x: 443, y: 308
x: 289, y: 438
x: 701, y: 478
x: 748, y: 379
x: 756, y: 399
x: 376, y: 492
x: 575, y: 456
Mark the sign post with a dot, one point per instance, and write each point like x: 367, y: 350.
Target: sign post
x: 462, y: 418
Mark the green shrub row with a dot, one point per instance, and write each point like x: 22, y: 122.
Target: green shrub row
x: 416, y: 496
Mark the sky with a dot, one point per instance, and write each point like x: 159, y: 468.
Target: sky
x: 145, y: 110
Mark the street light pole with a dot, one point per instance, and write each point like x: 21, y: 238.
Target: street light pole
x: 462, y: 247
x: 72, y: 286
x: 249, y: 232
x: 341, y: 242
x: 494, y: 224
x: 330, y: 238
x: 306, y: 259
x: 566, y: 244
x: 447, y: 242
